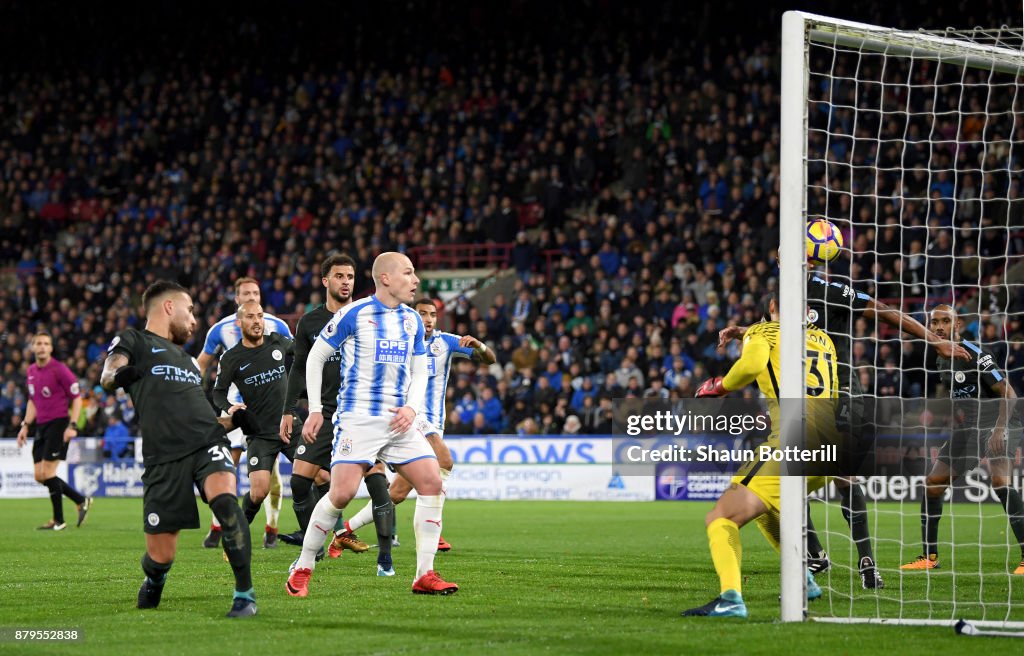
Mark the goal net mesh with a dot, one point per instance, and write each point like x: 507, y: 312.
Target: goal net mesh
x: 914, y: 150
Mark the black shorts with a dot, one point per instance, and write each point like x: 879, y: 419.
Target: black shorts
x: 856, y: 426
x: 850, y: 409
x: 261, y: 452
x: 50, y: 444
x: 965, y: 448
x: 319, y: 452
x: 168, y: 493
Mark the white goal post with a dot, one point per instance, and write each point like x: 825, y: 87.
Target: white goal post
x: 985, y: 53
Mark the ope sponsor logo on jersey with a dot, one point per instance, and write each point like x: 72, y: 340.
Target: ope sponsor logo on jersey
x: 177, y: 374
x: 264, y: 377
x: 391, y: 351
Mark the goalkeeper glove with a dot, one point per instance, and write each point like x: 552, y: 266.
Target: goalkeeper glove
x: 243, y: 419
x: 711, y: 387
x: 127, y: 375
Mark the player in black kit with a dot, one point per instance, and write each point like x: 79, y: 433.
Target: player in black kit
x: 987, y: 425
x: 183, y: 442
x: 256, y: 366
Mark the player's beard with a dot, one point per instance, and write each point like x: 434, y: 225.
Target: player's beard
x: 338, y: 298
x: 254, y: 336
x: 180, y: 333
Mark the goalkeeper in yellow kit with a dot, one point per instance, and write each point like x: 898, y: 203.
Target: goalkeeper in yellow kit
x: 754, y: 491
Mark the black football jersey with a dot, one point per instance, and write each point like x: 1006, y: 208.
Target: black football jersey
x: 175, y: 418
x: 261, y: 376
x: 306, y: 333
x: 831, y: 307
x: 970, y: 384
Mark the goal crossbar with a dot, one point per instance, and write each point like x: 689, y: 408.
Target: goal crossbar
x: 916, y: 45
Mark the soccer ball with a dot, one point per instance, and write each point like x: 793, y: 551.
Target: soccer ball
x: 823, y: 241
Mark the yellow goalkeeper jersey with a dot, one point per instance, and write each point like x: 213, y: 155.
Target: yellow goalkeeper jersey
x: 759, y: 362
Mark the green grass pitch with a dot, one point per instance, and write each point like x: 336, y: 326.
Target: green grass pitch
x: 536, y: 577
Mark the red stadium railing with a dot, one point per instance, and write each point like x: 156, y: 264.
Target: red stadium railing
x: 475, y: 256
x: 461, y: 256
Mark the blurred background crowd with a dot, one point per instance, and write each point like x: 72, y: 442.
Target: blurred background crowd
x: 629, y: 172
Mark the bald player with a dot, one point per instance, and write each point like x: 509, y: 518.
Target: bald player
x: 383, y: 385
x: 987, y: 425
x: 256, y: 368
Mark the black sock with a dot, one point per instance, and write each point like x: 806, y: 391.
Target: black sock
x: 155, y: 572
x: 321, y: 492
x: 71, y: 492
x: 237, y: 541
x: 383, y: 514
x: 814, y: 547
x: 931, y: 513
x: 302, y: 499
x: 249, y: 508
x: 855, y: 511
x: 1014, y: 507
x: 56, y: 498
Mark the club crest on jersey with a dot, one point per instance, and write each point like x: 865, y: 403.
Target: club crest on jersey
x: 277, y: 354
x: 153, y: 519
x: 390, y: 351
x: 435, y: 347
x: 253, y: 461
x: 410, y: 325
x: 345, y: 447
x: 812, y: 316
x: 300, y: 450
x: 959, y: 376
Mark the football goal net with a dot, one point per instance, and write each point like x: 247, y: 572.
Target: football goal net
x: 911, y: 143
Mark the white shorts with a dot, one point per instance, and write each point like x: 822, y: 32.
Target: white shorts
x: 362, y: 439
x: 236, y: 437
x: 427, y: 428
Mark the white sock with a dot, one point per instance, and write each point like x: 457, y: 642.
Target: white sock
x: 214, y: 522
x: 445, y: 473
x: 321, y: 526
x: 361, y: 518
x: 426, y: 525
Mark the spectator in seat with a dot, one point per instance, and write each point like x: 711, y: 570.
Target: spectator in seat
x: 117, y: 440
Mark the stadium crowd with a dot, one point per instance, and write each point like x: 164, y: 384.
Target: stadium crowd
x: 258, y: 145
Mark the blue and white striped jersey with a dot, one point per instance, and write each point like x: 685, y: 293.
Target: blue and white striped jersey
x: 224, y: 334
x: 442, y: 347
x: 377, y: 344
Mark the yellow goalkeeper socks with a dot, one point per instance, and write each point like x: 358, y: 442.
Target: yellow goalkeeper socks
x: 726, y: 552
x: 769, y: 525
